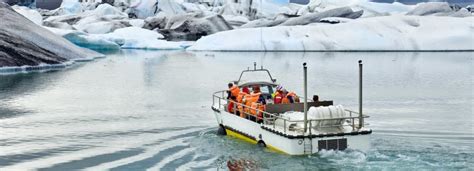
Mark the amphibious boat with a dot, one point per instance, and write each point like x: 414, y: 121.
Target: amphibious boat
x: 297, y: 128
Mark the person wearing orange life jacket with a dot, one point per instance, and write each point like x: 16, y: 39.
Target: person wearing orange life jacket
x: 256, y: 101
x: 240, y: 98
x: 233, y: 91
x: 289, y: 97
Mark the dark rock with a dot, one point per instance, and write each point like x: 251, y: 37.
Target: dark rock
x: 24, y: 43
x: 190, y: 26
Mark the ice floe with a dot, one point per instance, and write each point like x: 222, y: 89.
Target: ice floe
x: 389, y: 33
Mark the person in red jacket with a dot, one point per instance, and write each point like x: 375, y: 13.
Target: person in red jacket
x: 232, y: 106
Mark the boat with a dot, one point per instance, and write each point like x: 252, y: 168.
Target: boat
x: 300, y: 128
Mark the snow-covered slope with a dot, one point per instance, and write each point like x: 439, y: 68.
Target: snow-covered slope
x: 391, y: 33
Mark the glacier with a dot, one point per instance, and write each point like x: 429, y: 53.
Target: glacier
x: 264, y: 25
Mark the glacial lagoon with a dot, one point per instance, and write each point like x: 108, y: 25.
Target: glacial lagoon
x: 138, y: 110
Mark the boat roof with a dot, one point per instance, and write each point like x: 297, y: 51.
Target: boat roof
x: 246, y: 84
x: 240, y: 82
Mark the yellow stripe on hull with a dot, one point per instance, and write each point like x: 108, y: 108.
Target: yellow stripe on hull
x: 240, y: 136
x: 247, y: 139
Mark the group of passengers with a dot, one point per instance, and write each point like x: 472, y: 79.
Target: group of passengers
x: 250, y: 105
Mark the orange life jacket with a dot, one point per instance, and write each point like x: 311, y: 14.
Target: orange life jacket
x: 240, y: 97
x: 240, y: 106
x: 286, y: 100
x: 234, y: 91
x: 260, y: 107
x: 249, y: 99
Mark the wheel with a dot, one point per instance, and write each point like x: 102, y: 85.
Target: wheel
x: 261, y: 144
x: 221, y: 130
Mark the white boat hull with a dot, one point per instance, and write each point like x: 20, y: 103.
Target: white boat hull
x: 253, y: 132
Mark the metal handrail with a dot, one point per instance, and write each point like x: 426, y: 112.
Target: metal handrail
x: 255, y: 70
x: 271, y: 117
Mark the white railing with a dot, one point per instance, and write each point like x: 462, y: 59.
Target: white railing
x: 269, y: 119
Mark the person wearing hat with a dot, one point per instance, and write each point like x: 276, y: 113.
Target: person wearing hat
x: 278, y: 95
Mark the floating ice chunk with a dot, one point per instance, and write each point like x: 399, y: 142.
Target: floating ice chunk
x: 236, y: 20
x: 139, y: 38
x: 102, y: 27
x: 84, y: 40
x: 94, y: 42
x: 316, y: 17
x: 30, y: 14
x: 381, y: 9
x: 137, y: 22
x: 463, y: 12
x: 106, y: 9
x: 136, y: 33
x: 430, y: 8
x: 71, y: 7
x: 154, y: 44
x: 146, y: 8
x: 388, y: 33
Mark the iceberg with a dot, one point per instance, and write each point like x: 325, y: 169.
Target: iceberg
x: 30, y: 14
x: 430, y: 8
x: 388, y: 33
x: 139, y: 38
x: 316, y: 17
x: 23, y: 43
x: 71, y: 7
x: 124, y: 38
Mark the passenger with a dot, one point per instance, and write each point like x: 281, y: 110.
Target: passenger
x: 245, y: 91
x: 233, y: 91
x: 315, y: 98
x: 256, y: 101
x: 277, y: 96
x: 289, y: 97
x: 232, y: 105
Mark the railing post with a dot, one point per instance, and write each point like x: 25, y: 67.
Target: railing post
x: 361, y: 118
x: 352, y: 120
x: 310, y: 125
x: 305, y: 106
x: 234, y: 106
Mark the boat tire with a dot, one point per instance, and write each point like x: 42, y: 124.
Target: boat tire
x: 221, y: 130
x: 261, y: 144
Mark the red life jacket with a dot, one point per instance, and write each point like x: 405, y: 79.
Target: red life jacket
x: 278, y: 98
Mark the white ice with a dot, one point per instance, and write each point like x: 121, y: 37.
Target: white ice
x: 30, y: 14
x: 389, y: 33
x: 71, y: 6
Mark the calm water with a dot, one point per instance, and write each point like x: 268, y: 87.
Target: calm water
x: 138, y: 110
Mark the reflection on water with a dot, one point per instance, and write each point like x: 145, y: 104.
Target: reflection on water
x: 151, y: 109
